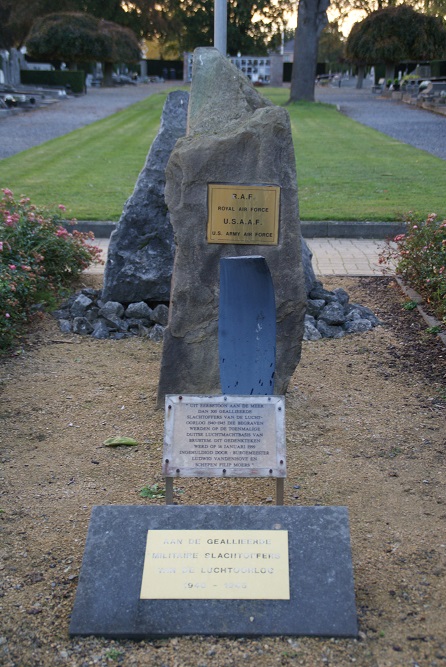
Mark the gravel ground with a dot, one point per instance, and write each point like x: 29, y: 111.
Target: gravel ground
x: 365, y: 429
x: 20, y: 130
x: 418, y: 127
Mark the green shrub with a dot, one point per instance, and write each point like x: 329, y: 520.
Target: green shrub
x: 38, y: 259
x: 420, y: 259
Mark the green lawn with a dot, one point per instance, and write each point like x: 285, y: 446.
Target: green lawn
x: 345, y: 171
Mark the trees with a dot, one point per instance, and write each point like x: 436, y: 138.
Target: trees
x: 146, y: 18
x: 342, y: 9
x: 122, y: 44
x: 331, y: 46
x: 187, y: 22
x: 311, y: 20
x: 17, y: 16
x: 250, y: 24
x: 75, y: 37
x: 394, y: 35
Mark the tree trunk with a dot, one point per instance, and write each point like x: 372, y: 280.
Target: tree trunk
x: 107, y: 68
x: 311, y: 20
x: 390, y: 72
x: 361, y: 72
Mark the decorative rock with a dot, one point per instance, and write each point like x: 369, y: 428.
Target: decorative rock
x: 65, y: 326
x: 358, y: 326
x: 310, y: 331
x: 160, y: 314
x: 80, y: 306
x: 328, y: 331
x: 358, y: 319
x: 315, y: 306
x: 62, y: 314
x: 364, y: 312
x: 115, y: 323
x: 140, y: 256
x: 353, y: 314
x: 101, y: 327
x: 142, y: 330
x: 310, y: 319
x: 341, y: 295
x: 111, y: 308
x: 156, y: 333
x: 100, y: 330
x: 93, y: 294
x: 139, y: 311
x: 92, y: 314
x: 333, y: 313
x: 82, y: 326
x: 319, y: 292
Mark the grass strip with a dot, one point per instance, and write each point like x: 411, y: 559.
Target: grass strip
x: 345, y: 171
x: 92, y: 170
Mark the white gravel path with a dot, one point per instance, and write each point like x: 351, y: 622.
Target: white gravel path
x: 418, y: 127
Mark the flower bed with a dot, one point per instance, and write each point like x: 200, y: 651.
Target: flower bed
x: 420, y: 259
x: 38, y: 259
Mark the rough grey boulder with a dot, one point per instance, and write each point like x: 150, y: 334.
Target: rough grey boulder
x: 234, y: 136
x: 139, y: 310
x: 81, y: 305
x: 310, y: 331
x: 329, y: 330
x: 333, y: 313
x: 140, y: 255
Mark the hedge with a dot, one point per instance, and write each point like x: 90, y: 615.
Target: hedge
x: 73, y: 80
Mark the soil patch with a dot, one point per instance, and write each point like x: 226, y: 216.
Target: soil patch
x: 365, y: 429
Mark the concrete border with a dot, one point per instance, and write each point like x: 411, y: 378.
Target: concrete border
x: 351, y: 230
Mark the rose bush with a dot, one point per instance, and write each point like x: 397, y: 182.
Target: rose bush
x: 38, y: 259
x: 419, y: 257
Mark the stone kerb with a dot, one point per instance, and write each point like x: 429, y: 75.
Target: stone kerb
x: 234, y: 137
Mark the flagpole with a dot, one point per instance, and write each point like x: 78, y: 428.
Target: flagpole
x: 220, y: 25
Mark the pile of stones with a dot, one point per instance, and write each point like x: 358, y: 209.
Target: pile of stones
x: 86, y: 314
x: 331, y: 315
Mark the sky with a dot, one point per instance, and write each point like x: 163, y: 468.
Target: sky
x: 352, y: 18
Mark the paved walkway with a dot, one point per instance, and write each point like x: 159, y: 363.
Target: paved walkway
x: 352, y: 257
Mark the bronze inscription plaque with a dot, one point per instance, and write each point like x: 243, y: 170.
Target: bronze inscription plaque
x: 243, y: 214
x: 216, y: 565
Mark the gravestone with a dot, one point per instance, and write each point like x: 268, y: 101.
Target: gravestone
x: 238, y: 139
x: 140, y: 255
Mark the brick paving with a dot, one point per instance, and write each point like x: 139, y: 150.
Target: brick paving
x: 339, y: 257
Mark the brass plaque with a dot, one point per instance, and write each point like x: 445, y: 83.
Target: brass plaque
x: 216, y: 565
x: 243, y: 214
x: 218, y: 436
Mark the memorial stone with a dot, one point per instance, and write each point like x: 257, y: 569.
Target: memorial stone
x: 135, y: 586
x: 235, y: 138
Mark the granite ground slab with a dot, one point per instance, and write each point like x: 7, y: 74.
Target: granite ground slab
x: 321, y: 603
